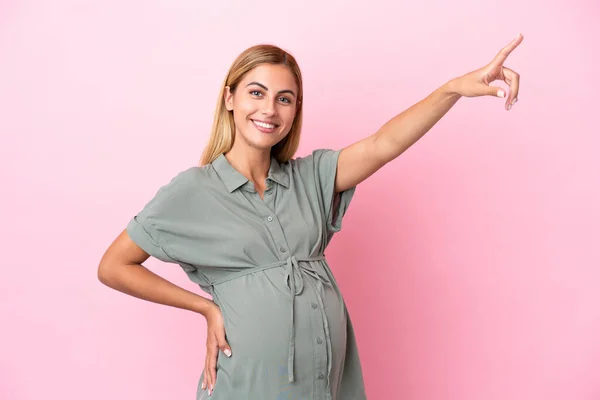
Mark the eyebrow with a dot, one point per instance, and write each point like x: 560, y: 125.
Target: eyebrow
x: 267, y: 89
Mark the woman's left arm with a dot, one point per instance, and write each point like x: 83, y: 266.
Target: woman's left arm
x: 362, y: 159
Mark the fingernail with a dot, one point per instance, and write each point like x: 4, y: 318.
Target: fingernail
x: 203, y: 386
x: 514, y: 101
x: 227, y: 352
x: 509, y: 107
x: 209, y: 392
x: 500, y: 93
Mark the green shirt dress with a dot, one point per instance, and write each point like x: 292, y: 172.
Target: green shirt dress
x: 263, y: 263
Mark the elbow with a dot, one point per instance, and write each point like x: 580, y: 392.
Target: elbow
x: 105, y: 274
x: 102, y: 275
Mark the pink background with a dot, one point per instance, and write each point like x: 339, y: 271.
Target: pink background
x: 469, y: 265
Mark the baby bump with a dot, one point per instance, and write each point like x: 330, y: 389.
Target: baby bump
x: 257, y: 311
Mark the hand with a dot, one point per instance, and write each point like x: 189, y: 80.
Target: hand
x: 215, y: 341
x: 476, y: 83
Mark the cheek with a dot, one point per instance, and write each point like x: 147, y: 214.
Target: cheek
x: 288, y: 114
x: 241, y: 112
x: 243, y: 108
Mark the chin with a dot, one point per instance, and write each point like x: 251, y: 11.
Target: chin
x: 260, y: 144
x: 259, y: 140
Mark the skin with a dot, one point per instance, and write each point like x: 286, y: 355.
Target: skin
x: 267, y: 93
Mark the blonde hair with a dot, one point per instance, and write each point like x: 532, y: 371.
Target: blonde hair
x: 223, y: 130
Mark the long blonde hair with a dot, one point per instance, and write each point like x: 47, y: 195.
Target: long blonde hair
x: 223, y: 130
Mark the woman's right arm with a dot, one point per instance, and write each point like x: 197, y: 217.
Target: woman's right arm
x: 121, y: 269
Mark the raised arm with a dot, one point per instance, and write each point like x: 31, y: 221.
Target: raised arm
x: 362, y: 159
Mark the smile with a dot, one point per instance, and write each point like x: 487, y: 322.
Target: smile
x: 264, y: 124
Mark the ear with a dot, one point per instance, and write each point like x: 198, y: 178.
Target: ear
x: 228, y: 97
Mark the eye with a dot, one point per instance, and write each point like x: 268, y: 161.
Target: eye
x: 255, y: 93
x: 285, y: 100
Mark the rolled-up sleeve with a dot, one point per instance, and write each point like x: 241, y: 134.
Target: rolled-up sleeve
x: 158, y: 222
x: 324, y: 166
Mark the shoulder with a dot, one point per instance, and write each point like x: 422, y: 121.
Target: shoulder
x: 317, y: 161
x: 185, y: 178
x: 314, y: 157
x: 186, y: 181
x: 195, y: 175
x: 190, y: 175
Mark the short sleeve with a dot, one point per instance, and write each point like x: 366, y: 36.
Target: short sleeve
x: 335, y: 205
x: 162, y: 219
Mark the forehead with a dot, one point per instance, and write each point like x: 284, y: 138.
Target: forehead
x: 275, y: 77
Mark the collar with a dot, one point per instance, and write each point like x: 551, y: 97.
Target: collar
x: 233, y: 179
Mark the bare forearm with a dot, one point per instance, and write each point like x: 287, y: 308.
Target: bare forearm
x: 406, y: 128
x: 138, y: 281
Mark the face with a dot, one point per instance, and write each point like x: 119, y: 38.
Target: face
x: 263, y: 105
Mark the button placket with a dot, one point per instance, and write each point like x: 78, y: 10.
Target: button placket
x: 320, y: 343
x: 270, y: 218
x: 321, y: 347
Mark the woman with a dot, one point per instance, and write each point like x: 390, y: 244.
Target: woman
x: 250, y: 226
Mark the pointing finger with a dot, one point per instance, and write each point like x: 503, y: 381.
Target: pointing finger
x: 505, y: 52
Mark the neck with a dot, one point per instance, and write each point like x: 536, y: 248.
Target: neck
x: 254, y: 164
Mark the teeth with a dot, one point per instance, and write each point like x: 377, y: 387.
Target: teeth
x: 264, y: 125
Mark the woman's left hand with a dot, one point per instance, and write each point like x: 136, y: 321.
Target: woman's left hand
x: 476, y: 83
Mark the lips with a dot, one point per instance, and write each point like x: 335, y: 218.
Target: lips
x: 265, y: 127
x: 264, y: 124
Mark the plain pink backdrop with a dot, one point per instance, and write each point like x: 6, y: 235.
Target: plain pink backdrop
x: 470, y: 265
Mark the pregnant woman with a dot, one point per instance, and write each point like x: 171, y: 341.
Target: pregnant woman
x: 250, y: 225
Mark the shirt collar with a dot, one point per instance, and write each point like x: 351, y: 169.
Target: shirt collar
x: 233, y: 179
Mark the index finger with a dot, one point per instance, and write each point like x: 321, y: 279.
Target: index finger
x: 505, y: 52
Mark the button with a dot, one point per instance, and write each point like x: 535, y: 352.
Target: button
x: 270, y: 218
x: 320, y: 376
x: 282, y: 249
x: 313, y: 305
x: 319, y: 341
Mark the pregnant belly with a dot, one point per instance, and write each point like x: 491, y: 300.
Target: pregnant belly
x: 258, y: 322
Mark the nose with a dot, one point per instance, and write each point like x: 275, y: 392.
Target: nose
x: 269, y: 108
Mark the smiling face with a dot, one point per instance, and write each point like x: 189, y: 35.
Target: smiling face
x: 264, y: 105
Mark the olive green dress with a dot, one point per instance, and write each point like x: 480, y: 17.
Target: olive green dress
x: 263, y: 262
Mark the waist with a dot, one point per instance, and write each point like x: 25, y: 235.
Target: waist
x: 302, y: 262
